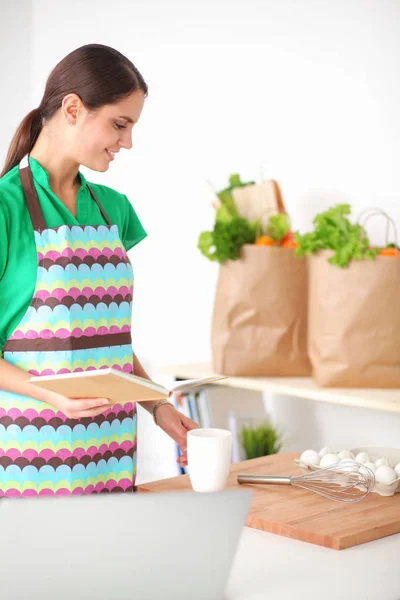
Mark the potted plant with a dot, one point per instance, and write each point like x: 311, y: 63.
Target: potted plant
x: 260, y: 440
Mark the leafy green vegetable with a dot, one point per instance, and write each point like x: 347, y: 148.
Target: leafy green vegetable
x: 278, y: 226
x: 228, y: 210
x: 230, y: 230
x: 334, y: 231
x: 227, y: 238
x: 235, y: 181
x: 260, y: 441
x: 206, y: 245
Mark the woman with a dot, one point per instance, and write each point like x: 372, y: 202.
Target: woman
x: 66, y: 284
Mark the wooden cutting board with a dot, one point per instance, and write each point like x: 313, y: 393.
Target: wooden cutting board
x: 300, y: 514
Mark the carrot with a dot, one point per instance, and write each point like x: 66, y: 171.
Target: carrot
x: 389, y: 252
x: 289, y: 244
x: 265, y: 240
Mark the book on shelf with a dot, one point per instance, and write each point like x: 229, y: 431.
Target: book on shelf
x: 195, y: 405
x: 204, y: 409
x: 233, y: 427
x: 181, y: 404
x: 118, y: 386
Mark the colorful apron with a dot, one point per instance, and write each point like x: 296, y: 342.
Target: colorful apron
x: 79, y: 319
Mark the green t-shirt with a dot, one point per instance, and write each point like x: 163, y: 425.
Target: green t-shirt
x: 18, y: 261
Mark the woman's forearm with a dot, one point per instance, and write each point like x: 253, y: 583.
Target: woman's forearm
x: 16, y: 380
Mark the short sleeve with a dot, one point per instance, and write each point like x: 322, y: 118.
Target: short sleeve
x: 3, y: 242
x: 132, y: 231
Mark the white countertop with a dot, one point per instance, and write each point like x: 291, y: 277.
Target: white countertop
x: 36, y: 555
x: 272, y: 567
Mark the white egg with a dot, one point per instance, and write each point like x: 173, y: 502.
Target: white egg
x: 346, y: 454
x: 382, y: 462
x: 362, y: 457
x: 385, y: 474
x: 328, y: 459
x: 365, y: 470
x: 370, y: 466
x: 310, y: 457
x: 325, y: 450
x: 344, y: 465
x: 397, y: 470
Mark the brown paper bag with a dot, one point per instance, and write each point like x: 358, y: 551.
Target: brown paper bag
x: 259, y: 321
x: 354, y: 322
x: 259, y: 201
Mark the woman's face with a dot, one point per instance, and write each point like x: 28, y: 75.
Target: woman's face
x: 100, y: 135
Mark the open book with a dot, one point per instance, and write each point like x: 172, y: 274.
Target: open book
x: 110, y: 383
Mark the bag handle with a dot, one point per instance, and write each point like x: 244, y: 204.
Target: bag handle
x: 374, y: 211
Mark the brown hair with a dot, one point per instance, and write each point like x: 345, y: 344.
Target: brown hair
x: 98, y: 74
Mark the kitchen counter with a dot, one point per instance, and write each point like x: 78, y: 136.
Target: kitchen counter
x: 300, y: 514
x: 275, y: 567
x: 271, y: 567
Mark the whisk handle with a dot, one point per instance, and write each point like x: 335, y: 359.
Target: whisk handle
x: 243, y: 478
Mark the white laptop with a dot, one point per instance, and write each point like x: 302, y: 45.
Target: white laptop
x: 141, y: 546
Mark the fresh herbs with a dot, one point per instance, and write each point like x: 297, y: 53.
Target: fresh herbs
x: 334, y: 231
x: 226, y: 239
x: 278, y: 232
x: 278, y: 226
x: 230, y: 231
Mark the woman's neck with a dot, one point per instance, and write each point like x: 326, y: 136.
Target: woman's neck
x: 63, y: 172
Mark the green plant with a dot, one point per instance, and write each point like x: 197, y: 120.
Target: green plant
x: 278, y: 226
x: 334, y: 231
x: 226, y: 239
x: 230, y: 231
x: 260, y: 441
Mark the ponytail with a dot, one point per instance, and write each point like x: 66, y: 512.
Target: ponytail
x: 24, y: 139
x: 98, y: 74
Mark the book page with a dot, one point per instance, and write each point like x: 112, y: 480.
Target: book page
x: 191, y: 383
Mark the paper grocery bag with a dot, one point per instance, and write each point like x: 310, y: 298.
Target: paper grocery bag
x: 259, y: 201
x: 259, y: 324
x: 354, y: 322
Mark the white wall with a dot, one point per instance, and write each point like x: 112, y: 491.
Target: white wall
x: 309, y: 91
x: 306, y: 424
x: 16, y: 39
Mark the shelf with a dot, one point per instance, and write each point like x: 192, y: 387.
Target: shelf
x: 299, y: 387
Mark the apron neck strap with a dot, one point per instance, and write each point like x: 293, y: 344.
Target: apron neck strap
x: 32, y: 200
x: 31, y: 197
x: 103, y: 212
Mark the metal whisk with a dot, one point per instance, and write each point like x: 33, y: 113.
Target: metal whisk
x: 346, y: 481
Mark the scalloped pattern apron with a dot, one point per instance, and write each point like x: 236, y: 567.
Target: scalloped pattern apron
x: 79, y: 319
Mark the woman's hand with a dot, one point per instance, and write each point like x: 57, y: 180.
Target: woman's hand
x: 76, y: 408
x: 16, y: 380
x: 176, y: 425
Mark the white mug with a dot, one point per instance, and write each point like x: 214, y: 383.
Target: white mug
x: 209, y: 458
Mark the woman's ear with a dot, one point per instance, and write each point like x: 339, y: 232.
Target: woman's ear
x: 70, y: 108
